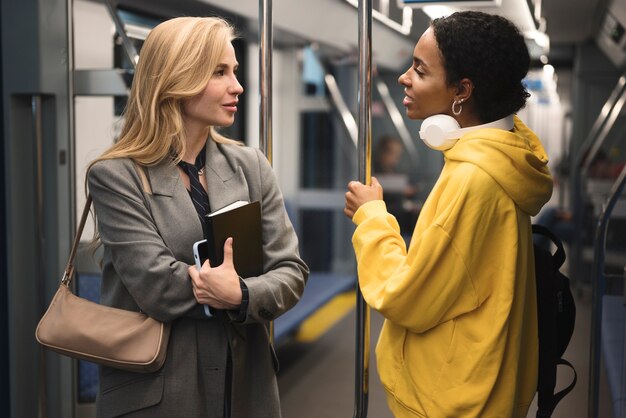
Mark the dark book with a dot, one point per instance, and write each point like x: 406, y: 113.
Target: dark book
x: 241, y: 221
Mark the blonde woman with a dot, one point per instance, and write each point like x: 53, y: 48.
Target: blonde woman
x: 185, y: 85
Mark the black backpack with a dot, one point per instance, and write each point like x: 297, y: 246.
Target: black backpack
x: 556, y: 314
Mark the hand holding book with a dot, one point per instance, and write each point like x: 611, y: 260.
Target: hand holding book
x: 218, y: 286
x: 240, y: 221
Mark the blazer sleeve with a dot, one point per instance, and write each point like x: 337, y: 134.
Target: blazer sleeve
x: 156, y: 281
x: 280, y: 288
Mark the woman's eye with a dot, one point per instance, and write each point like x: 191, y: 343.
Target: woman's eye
x: 419, y: 73
x: 219, y: 73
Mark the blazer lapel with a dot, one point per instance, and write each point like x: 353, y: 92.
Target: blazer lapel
x: 225, y: 179
x: 169, y: 191
x: 164, y: 178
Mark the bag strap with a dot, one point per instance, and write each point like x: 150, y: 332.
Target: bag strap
x: 559, y: 255
x: 144, y: 178
x: 68, y: 273
x: 547, y: 400
x: 69, y: 267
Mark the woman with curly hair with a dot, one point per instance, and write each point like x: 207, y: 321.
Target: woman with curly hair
x: 460, y: 332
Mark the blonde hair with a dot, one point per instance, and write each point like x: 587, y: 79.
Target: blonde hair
x: 176, y: 62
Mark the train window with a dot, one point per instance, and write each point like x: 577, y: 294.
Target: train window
x: 317, y: 157
x: 316, y: 225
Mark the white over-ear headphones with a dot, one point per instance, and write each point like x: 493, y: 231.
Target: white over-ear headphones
x: 441, y: 132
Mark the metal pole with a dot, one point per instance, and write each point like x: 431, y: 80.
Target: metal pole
x: 129, y: 48
x: 598, y: 289
x: 265, y: 72
x: 40, y: 243
x: 265, y: 90
x: 364, y: 167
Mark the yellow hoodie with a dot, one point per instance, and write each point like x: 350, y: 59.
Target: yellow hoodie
x: 460, y: 335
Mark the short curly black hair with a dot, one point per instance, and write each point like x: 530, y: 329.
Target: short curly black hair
x: 490, y: 51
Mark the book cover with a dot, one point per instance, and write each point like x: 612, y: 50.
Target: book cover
x: 241, y: 221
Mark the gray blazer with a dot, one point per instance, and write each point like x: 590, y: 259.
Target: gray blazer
x: 148, y: 241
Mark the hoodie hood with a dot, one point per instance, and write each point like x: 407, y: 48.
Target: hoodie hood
x: 515, y: 160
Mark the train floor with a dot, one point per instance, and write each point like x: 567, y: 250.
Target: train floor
x: 316, y: 379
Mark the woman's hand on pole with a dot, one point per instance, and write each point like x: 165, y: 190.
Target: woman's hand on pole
x: 358, y: 194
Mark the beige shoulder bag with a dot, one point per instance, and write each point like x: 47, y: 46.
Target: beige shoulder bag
x: 85, y: 330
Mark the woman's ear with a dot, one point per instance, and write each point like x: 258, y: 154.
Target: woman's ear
x: 464, y: 90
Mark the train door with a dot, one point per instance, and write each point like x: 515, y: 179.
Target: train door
x: 37, y: 212
x: 4, y: 323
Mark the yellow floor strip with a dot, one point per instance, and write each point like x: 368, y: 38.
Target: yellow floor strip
x: 325, y: 317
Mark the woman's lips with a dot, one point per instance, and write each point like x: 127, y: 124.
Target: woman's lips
x: 231, y: 106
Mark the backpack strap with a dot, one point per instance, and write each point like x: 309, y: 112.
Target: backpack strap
x: 547, y: 401
x: 559, y: 255
x: 561, y: 394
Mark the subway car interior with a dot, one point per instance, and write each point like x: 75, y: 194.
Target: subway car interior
x: 67, y: 67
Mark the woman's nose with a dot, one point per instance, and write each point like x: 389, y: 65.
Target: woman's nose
x: 402, y: 79
x: 237, y: 88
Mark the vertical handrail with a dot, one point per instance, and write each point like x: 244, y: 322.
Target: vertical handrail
x: 364, y: 168
x: 598, y: 288
x: 580, y: 164
x: 70, y: 159
x: 265, y: 91
x: 265, y: 72
x: 40, y: 241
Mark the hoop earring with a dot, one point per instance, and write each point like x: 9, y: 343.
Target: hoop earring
x: 457, y: 112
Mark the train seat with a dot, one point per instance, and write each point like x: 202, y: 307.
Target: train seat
x: 320, y: 289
